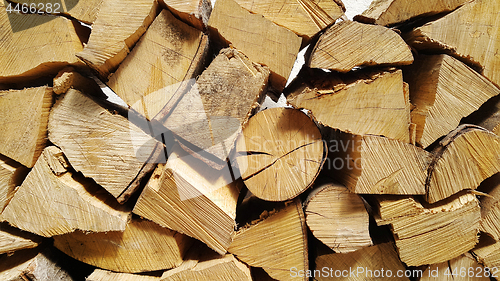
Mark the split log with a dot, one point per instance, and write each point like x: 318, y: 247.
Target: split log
x: 376, y: 165
x: 490, y: 206
x: 154, y: 74
x: 194, y: 12
x: 364, y: 264
x: 473, y: 37
x: 338, y: 218
x: 443, y: 91
x: 260, y: 39
x: 487, y: 252
x: 363, y: 103
x: 83, y: 10
x: 33, y: 45
x: 52, y: 201
x: 24, y: 117
x: 189, y: 197
x: 348, y: 44
x: 69, y: 78
x: 13, y: 239
x: 305, y: 18
x: 103, y: 146
x: 466, y: 157
x: 12, y: 175
x: 429, y: 234
x: 464, y: 267
x: 103, y: 275
x: 391, y: 12
x: 142, y: 246
x: 280, y: 153
x: 277, y: 243
x: 118, y: 26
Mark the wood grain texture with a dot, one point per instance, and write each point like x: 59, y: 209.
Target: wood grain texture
x: 12, y: 175
x: 13, y: 239
x: 83, y: 10
x: 487, y: 252
x: 104, y: 275
x: 194, y: 12
x: 490, y: 206
x: 454, y: 269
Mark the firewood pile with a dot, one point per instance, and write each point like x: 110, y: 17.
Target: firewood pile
x: 382, y: 164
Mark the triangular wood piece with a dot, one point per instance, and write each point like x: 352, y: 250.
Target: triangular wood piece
x: 154, y: 72
x: 104, y: 275
x: 189, y: 197
x: 278, y: 243
x: 193, y: 12
x: 338, y: 218
x: 83, y: 10
x: 467, y: 156
x: 348, y: 44
x: 443, y: 91
x: 352, y: 103
x: 391, y: 12
x: 464, y: 267
x: 69, y: 78
x: 53, y: 201
x: 490, y: 206
x: 487, y: 252
x: 143, y: 246
x: 12, y: 175
x: 428, y: 234
x: 260, y: 39
x: 13, y: 239
x: 102, y: 145
x: 280, y: 153
x: 24, y: 117
x: 473, y: 37
x: 118, y: 26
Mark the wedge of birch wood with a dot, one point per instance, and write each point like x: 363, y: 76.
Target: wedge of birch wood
x: 338, y: 218
x: 467, y: 156
x: 52, y: 201
x: 12, y: 175
x: 118, y: 26
x: 104, y: 275
x: 260, y: 39
x: 464, y: 267
x: 353, y: 103
x: 370, y: 258
x: 305, y: 18
x: 103, y: 146
x: 33, y: 45
x: 154, y: 73
x: 347, y: 44
x: 376, y: 165
x: 83, y: 10
x: 13, y: 239
x: 490, y: 206
x: 473, y: 37
x: 429, y: 234
x: 194, y: 12
x: 443, y: 91
x: 277, y: 243
x: 142, y: 246
x: 280, y: 153
x: 211, y: 115
x: 188, y: 196
x: 391, y: 12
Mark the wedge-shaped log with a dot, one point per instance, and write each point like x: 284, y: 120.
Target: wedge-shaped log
x: 104, y: 275
x: 443, y: 91
x: 353, y: 103
x: 338, y: 218
x: 260, y: 39
x: 13, y: 239
x: 53, y: 201
x: 83, y: 10
x: 277, y: 243
x: 154, y: 74
x: 118, y: 26
x: 280, y: 153
x: 464, y: 267
x: 12, y: 175
x: 69, y: 78
x: 490, y: 206
x: 102, y: 145
x: 188, y: 196
x: 487, y: 252
x: 467, y: 156
x: 143, y: 246
x: 193, y: 12
x: 473, y: 37
x: 348, y: 44
x: 391, y: 12
x: 429, y: 234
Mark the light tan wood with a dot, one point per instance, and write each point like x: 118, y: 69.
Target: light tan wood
x: 188, y: 196
x: 464, y: 267
x: 347, y: 44
x: 490, y: 206
x: 154, y: 73
x: 376, y: 165
x: 24, y: 117
x: 118, y: 26
x: 83, y: 10
x: 13, y: 239
x: 103, y: 146
x: 473, y: 37
x: 338, y: 218
x: 104, y: 275
x: 276, y: 243
x: 142, y: 246
x: 260, y: 39
x: 194, y: 12
x: 391, y: 12
x: 487, y: 252
x: 280, y: 153
x: 12, y: 175
x: 69, y: 78
x: 370, y: 258
x: 466, y: 157
x: 444, y: 90
x: 429, y: 234
x: 50, y: 203
x: 353, y: 103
